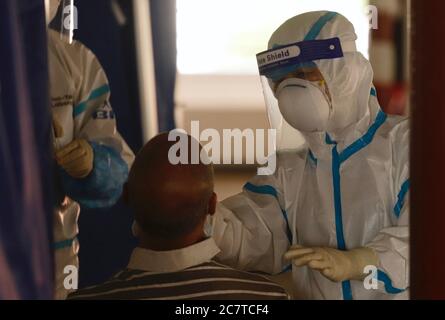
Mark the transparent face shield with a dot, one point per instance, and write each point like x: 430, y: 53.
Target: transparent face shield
x: 285, y: 65
x: 62, y: 16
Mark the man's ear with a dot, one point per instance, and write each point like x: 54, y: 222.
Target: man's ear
x: 212, y: 204
x: 125, y: 197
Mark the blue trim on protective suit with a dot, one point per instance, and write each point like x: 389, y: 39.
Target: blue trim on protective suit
x: 401, y: 198
x: 383, y: 277
x: 366, y: 139
x: 287, y: 269
x: 63, y: 244
x: 346, y: 285
x: 81, y: 107
x: 269, y: 190
x: 373, y: 92
x: 329, y: 140
x: 337, y: 160
x: 312, y: 157
x: 336, y: 163
x: 318, y: 26
x: 261, y: 189
x: 103, y: 187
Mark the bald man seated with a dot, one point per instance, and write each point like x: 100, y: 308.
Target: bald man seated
x: 175, y: 257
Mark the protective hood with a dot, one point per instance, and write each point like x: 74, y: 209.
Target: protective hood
x: 348, y: 78
x: 52, y: 7
x: 66, y: 17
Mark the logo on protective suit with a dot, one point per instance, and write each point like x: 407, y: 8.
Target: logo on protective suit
x: 104, y: 113
x: 62, y: 101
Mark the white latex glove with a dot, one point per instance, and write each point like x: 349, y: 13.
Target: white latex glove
x: 336, y: 265
x: 76, y: 158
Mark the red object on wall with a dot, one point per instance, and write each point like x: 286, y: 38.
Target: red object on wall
x: 393, y: 98
x: 387, y: 55
x: 428, y: 151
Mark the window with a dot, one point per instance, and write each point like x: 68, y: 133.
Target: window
x: 223, y: 36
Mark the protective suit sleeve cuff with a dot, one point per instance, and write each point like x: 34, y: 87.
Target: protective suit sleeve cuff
x: 391, y: 272
x: 103, y: 186
x: 387, y: 284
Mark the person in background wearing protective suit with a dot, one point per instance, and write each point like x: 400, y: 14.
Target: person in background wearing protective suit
x: 92, y: 158
x: 340, y: 203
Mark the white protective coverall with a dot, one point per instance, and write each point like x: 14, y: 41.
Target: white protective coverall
x: 347, y: 188
x: 80, y: 96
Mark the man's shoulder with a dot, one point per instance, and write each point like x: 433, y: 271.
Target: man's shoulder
x: 245, y: 277
x: 208, y: 280
x: 120, y: 281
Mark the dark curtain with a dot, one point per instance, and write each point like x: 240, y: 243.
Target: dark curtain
x: 105, y: 235
x: 163, y: 21
x: 26, y: 268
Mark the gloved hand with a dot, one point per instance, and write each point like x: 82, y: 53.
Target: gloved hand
x: 76, y: 158
x: 336, y: 265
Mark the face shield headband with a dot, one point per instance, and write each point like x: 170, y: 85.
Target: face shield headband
x: 274, y: 64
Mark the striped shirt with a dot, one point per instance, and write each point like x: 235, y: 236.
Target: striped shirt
x: 143, y: 279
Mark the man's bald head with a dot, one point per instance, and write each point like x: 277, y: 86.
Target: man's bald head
x: 169, y: 200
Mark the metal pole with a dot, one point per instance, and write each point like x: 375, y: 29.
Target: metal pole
x: 145, y: 59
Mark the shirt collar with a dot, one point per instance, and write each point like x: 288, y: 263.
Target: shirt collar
x: 174, y: 260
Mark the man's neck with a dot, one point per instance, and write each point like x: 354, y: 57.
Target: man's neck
x: 154, y: 244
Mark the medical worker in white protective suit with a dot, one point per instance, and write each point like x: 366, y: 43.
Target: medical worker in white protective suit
x: 340, y: 203
x: 93, y: 160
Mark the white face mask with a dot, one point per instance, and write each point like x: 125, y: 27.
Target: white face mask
x: 304, y: 105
